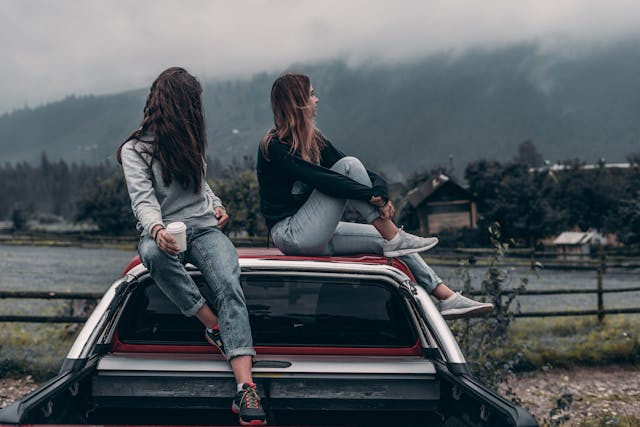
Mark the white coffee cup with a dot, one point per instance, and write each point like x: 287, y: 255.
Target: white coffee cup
x: 178, y: 230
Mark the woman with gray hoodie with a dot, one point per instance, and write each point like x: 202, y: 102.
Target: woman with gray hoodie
x: 164, y: 167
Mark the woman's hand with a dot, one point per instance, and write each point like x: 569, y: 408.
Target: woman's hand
x: 222, y: 216
x: 385, y: 207
x: 387, y: 211
x: 377, y: 201
x: 165, y: 242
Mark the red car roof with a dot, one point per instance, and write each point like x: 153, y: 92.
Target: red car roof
x: 275, y: 254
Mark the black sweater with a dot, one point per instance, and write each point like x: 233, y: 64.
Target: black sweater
x: 276, y: 178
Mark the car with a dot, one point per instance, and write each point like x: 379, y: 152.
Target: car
x: 348, y: 340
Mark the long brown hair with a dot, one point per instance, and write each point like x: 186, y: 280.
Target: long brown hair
x: 173, y: 114
x: 293, y: 118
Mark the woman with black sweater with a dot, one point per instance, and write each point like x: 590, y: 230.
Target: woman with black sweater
x: 305, y: 183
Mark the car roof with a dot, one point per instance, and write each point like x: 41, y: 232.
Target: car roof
x: 276, y: 254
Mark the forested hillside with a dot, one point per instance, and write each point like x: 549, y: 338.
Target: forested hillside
x: 400, y: 117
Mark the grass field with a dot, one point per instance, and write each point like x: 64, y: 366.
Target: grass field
x: 569, y: 341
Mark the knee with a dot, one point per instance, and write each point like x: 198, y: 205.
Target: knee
x: 231, y: 289
x: 353, y: 168
x: 150, y: 254
x: 347, y: 164
x: 228, y: 292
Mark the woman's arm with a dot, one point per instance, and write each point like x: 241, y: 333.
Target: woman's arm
x: 137, y: 175
x: 218, y: 209
x: 217, y: 203
x: 318, y: 177
x: 331, y: 155
x: 379, y: 185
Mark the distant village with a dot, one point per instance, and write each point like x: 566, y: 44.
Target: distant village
x: 440, y: 204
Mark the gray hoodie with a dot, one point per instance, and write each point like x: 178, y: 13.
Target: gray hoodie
x: 155, y: 203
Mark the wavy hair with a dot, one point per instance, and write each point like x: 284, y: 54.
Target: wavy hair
x: 173, y: 114
x: 293, y: 118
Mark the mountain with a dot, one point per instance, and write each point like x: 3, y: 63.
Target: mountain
x: 573, y: 103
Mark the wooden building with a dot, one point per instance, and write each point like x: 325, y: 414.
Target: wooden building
x: 577, y: 244
x: 441, y: 204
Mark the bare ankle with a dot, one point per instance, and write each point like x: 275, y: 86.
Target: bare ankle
x: 442, y: 292
x: 386, y: 228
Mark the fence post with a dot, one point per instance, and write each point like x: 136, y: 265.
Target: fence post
x: 601, y: 269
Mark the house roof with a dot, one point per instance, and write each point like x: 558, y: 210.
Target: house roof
x: 418, y: 194
x: 556, y: 167
x: 573, y: 238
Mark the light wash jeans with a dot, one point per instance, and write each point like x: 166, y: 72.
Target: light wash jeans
x: 316, y: 228
x: 216, y: 258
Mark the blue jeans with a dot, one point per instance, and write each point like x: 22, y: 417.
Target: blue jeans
x: 216, y: 258
x: 316, y: 228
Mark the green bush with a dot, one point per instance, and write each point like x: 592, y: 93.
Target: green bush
x: 484, y: 340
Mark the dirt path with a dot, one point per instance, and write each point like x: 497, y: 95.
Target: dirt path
x: 559, y: 397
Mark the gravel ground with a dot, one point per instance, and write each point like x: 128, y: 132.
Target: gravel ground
x: 558, y: 397
x: 570, y: 397
x: 13, y: 388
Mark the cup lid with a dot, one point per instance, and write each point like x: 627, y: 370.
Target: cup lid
x: 176, y: 227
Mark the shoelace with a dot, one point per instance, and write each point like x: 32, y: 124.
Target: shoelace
x: 250, y: 397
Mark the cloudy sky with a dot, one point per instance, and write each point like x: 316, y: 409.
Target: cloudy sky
x: 54, y: 48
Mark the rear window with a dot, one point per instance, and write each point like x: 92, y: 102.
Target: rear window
x: 284, y: 311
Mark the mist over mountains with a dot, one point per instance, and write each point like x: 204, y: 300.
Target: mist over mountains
x: 399, y: 118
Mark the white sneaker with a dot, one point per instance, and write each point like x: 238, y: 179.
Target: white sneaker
x: 458, y: 306
x: 405, y: 243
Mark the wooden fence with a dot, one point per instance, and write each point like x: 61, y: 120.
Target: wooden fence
x: 599, y: 310
x: 599, y: 263
x: 89, y: 297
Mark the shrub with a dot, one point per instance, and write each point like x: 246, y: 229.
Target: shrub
x: 484, y: 340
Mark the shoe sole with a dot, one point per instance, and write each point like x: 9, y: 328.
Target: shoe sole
x: 394, y: 254
x: 213, y: 343
x: 236, y: 410
x: 461, y: 313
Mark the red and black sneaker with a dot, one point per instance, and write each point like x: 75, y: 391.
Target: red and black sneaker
x: 247, y: 405
x: 214, y: 338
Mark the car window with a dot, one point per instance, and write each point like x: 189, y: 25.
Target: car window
x: 284, y: 311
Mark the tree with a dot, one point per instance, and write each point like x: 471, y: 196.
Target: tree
x: 634, y: 158
x: 590, y: 198
x: 19, y: 218
x: 629, y: 214
x: 242, y: 201
x: 520, y: 206
x: 512, y: 196
x: 108, y: 206
x: 237, y: 185
x: 483, y: 177
x: 528, y: 155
